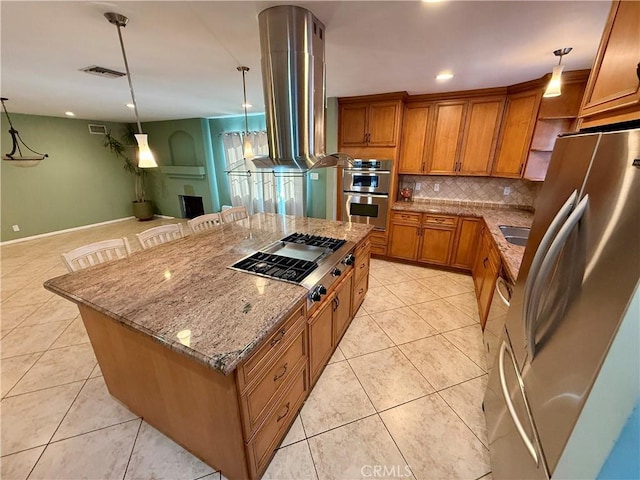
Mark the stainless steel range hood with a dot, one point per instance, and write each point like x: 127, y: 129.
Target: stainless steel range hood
x: 293, y: 75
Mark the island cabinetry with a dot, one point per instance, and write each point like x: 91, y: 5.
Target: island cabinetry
x: 613, y: 90
x: 516, y: 132
x: 378, y: 242
x: 466, y: 242
x: 485, y: 273
x: 361, y: 276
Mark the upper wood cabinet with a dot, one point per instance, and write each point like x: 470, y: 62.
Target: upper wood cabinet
x: 613, y: 90
x: 516, y: 132
x: 448, y: 128
x: 481, y: 135
x: 372, y: 124
x: 455, y: 137
x: 415, y: 130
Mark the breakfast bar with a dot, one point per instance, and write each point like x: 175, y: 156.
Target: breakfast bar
x: 219, y: 360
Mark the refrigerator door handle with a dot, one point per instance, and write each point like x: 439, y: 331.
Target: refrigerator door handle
x: 544, y: 244
x: 547, y: 264
x: 503, y: 283
x: 507, y: 398
x: 543, y: 248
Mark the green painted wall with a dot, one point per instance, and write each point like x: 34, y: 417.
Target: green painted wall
x: 180, y: 143
x: 79, y: 184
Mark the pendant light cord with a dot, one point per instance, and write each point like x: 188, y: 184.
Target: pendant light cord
x: 244, y: 92
x: 126, y: 66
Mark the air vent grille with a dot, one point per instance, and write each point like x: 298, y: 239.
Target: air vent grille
x: 97, y: 129
x: 102, y: 72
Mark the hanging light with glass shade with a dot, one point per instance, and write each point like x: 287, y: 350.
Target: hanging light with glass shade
x: 15, y: 156
x: 247, y: 149
x: 145, y: 156
x: 554, y: 88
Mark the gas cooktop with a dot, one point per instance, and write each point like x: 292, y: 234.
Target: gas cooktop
x: 294, y: 258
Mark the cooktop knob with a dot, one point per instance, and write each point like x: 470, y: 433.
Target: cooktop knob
x: 336, y: 272
x: 315, y: 295
x: 322, y: 289
x: 349, y: 259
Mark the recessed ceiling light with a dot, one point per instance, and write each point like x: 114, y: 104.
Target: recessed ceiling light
x: 431, y: 1
x: 131, y: 105
x: 247, y: 105
x: 444, y: 76
x: 70, y: 114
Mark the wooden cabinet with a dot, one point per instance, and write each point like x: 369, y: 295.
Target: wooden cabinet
x: 341, y: 306
x: 378, y: 242
x: 415, y: 131
x: 447, y: 136
x: 613, y: 90
x: 452, y: 137
x: 485, y: 272
x: 466, y: 243
x: 422, y: 237
x: 360, y: 276
x: 374, y: 124
x: 481, y: 135
x: 320, y: 339
x: 557, y: 115
x: 515, y: 134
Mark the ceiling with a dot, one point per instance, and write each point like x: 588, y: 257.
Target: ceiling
x: 183, y: 55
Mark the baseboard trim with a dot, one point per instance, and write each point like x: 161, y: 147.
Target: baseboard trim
x: 66, y: 230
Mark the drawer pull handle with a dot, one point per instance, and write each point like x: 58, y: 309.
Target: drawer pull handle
x: 286, y: 411
x: 363, y: 264
x: 281, y: 374
x: 439, y: 219
x: 279, y: 337
x: 484, y: 262
x: 360, y: 291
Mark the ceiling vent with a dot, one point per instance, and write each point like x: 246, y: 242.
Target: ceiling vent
x: 97, y: 129
x: 102, y: 72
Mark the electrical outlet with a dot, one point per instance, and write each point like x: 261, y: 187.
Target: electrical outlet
x: 314, y: 176
x: 418, y: 186
x: 436, y: 187
x: 16, y: 228
x: 507, y: 191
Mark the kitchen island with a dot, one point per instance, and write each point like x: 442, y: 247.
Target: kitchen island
x: 230, y: 390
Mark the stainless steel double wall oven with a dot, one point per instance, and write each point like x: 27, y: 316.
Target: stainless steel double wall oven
x: 365, y: 192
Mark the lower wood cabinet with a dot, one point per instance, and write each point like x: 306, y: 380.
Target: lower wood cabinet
x: 445, y: 240
x: 320, y: 339
x: 485, y: 273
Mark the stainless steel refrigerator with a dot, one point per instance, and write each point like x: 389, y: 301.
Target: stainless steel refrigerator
x: 579, y: 272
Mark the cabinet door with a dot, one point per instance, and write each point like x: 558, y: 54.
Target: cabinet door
x: 404, y: 241
x: 383, y: 124
x: 517, y: 130
x: 614, y: 81
x: 320, y: 338
x: 414, y: 138
x: 466, y: 243
x: 448, y: 128
x: 436, y: 245
x: 341, y: 306
x: 477, y: 272
x: 353, y: 124
x: 486, y: 293
x: 481, y: 136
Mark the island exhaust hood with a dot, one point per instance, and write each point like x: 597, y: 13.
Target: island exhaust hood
x: 293, y: 76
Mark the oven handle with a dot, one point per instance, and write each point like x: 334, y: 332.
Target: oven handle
x: 351, y: 193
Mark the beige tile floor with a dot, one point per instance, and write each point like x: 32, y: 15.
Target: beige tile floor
x: 400, y: 398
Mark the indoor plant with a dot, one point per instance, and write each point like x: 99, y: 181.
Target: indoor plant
x: 142, y: 208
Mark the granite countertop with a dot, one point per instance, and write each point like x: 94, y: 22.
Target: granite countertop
x: 185, y: 285
x: 511, y: 254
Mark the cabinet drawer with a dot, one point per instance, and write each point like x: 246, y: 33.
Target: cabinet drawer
x: 406, y: 217
x: 257, y: 401
x: 378, y: 238
x: 359, y: 291
x: 362, y: 263
x: 379, y: 249
x: 262, y: 445
x: 443, y: 220
x: 270, y: 348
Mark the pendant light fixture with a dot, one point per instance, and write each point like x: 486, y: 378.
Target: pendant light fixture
x: 247, y: 149
x: 20, y: 160
x: 554, y: 88
x: 145, y: 156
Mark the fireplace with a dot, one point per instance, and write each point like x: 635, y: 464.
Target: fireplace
x: 191, y: 206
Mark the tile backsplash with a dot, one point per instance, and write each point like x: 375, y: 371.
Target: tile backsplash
x: 488, y: 190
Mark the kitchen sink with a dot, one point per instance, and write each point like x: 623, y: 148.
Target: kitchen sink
x: 515, y: 235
